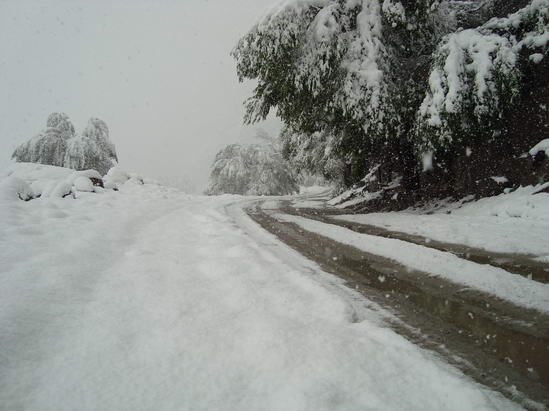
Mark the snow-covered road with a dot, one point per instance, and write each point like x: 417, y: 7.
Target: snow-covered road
x: 152, y: 299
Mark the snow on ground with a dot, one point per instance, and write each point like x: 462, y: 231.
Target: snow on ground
x: 308, y: 203
x: 315, y: 190
x: 517, y: 222
x: 148, y: 298
x: 312, y: 196
x: 492, y: 280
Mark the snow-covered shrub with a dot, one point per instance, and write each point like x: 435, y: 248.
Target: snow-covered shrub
x: 251, y: 170
x: 48, y: 147
x: 92, y: 149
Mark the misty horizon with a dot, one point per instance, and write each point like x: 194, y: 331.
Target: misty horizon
x: 159, y: 74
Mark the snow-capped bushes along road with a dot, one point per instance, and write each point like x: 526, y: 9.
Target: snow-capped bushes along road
x: 26, y: 181
x: 394, y: 82
x: 59, y: 145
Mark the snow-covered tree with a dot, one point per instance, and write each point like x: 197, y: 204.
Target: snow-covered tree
x: 92, y: 149
x: 387, y: 81
x: 58, y: 145
x: 313, y: 155
x: 476, y: 75
x: 48, y: 147
x: 255, y: 169
x: 346, y: 68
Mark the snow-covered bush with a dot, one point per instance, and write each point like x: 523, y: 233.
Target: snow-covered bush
x: 92, y: 149
x: 254, y: 169
x: 58, y: 145
x: 48, y: 147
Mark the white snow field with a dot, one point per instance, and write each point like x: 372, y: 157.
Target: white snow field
x: 517, y: 222
x: 150, y: 299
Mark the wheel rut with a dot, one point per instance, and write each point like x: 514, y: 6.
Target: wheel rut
x: 497, y: 343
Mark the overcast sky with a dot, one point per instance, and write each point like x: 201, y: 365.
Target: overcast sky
x: 158, y: 72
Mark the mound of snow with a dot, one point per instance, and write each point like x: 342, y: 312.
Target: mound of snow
x: 115, y: 178
x: 84, y: 184
x: 543, y: 145
x: 12, y: 188
x: 525, y: 202
x: 51, y: 181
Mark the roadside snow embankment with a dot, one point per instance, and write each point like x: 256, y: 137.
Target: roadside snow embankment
x: 516, y: 223
x: 492, y: 280
x: 51, y: 181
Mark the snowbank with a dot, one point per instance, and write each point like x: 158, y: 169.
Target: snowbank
x: 50, y: 181
x: 517, y: 222
x: 115, y: 178
x: 543, y: 145
x: 523, y: 203
x: 494, y: 281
